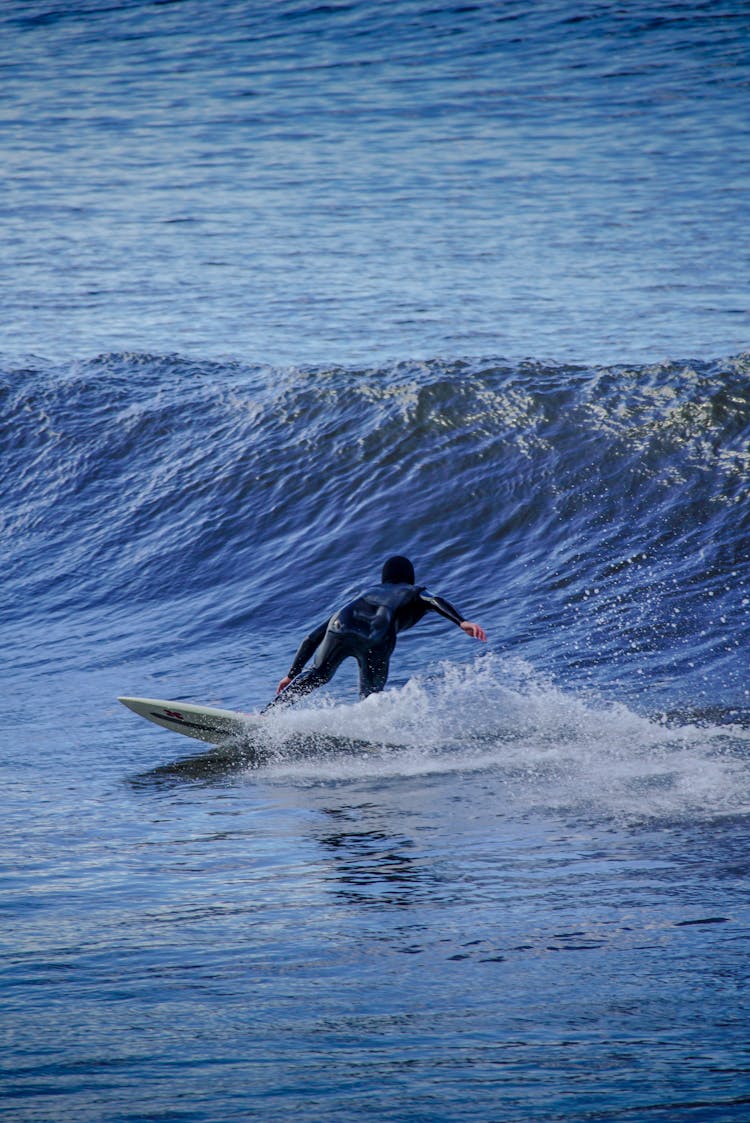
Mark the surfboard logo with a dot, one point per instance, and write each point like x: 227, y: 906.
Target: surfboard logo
x: 179, y: 719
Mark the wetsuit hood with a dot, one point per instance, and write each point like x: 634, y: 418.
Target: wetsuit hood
x: 398, y: 570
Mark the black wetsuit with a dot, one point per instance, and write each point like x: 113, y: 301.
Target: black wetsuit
x: 366, y: 630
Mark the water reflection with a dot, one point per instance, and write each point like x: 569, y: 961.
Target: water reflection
x: 216, y: 765
x: 223, y: 762
x: 372, y: 865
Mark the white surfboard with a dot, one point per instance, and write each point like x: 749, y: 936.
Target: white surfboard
x: 204, y: 723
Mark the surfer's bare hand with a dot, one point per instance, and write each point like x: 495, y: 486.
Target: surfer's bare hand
x: 474, y: 630
x: 283, y: 684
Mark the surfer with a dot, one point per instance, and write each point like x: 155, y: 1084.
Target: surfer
x: 366, y: 629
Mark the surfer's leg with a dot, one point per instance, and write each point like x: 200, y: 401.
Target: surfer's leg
x: 373, y: 669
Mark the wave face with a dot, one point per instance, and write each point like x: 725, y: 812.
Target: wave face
x: 595, y: 520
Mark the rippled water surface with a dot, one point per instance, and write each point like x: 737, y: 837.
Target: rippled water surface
x: 301, y: 183
x: 287, y: 289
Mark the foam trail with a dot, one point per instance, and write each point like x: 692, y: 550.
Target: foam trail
x: 547, y: 748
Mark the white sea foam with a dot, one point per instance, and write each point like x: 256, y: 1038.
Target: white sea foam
x: 546, y: 748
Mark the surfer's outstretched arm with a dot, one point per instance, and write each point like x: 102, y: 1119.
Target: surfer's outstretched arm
x: 446, y: 609
x: 476, y: 631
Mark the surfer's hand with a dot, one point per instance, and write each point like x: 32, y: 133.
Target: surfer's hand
x: 474, y: 630
x: 283, y: 684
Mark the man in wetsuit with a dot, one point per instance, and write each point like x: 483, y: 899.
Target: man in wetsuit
x: 366, y: 629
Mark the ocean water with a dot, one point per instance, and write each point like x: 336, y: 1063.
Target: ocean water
x: 288, y: 288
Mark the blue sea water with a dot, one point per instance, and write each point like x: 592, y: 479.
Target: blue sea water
x: 287, y: 288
